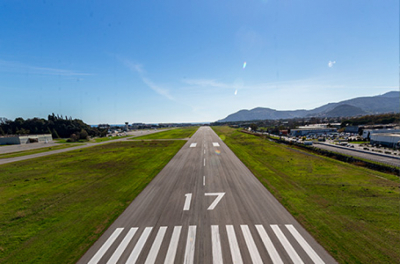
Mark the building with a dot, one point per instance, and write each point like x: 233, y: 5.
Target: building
x: 321, y: 129
x: 367, y: 133
x: 25, y: 139
x: 391, y: 140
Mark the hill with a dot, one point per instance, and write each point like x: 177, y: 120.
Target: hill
x: 380, y: 104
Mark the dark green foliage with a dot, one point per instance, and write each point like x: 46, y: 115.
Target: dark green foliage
x: 57, y: 126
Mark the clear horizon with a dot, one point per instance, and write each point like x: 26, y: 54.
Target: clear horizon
x: 184, y: 62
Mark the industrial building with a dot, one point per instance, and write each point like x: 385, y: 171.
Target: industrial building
x: 312, y: 130
x: 367, y: 133
x: 391, y: 140
x: 25, y: 139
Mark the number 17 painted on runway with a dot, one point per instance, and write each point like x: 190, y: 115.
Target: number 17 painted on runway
x: 186, y: 207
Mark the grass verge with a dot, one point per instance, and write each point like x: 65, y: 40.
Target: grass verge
x: 54, y: 208
x: 353, y: 212
x: 97, y: 140
x: 34, y: 151
x: 176, y: 133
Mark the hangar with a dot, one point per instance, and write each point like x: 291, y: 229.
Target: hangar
x: 25, y: 139
x: 391, y: 140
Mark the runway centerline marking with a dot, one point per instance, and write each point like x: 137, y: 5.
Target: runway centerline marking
x: 204, y: 180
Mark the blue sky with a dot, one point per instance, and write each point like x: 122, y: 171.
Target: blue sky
x: 183, y: 61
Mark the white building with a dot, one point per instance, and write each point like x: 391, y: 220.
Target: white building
x: 391, y: 140
x: 369, y: 132
x: 25, y: 139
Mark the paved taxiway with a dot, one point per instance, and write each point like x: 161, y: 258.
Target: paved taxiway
x: 205, y: 206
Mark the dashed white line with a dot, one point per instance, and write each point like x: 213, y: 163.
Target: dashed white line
x: 285, y: 243
x: 190, y: 243
x: 117, y: 254
x: 233, y: 245
x: 307, y: 248
x: 173, y: 245
x: 151, y: 257
x: 139, y: 246
x: 255, y: 256
x: 204, y: 162
x: 268, y: 245
x: 204, y: 180
x: 106, y: 245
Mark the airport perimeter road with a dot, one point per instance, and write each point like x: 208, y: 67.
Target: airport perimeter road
x: 206, y: 207
x: 386, y: 159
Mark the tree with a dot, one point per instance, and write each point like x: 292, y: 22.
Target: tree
x: 83, y: 134
x: 1, y: 131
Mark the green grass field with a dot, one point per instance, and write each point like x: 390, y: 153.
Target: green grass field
x: 52, y: 209
x: 176, y: 133
x: 34, y: 151
x: 97, y: 140
x: 353, y: 212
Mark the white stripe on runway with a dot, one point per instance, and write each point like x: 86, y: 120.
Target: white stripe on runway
x: 151, y: 258
x: 186, y: 206
x: 285, y: 243
x: 215, y: 144
x: 233, y: 244
x: 255, y: 256
x: 268, y: 245
x: 139, y: 246
x: 173, y: 245
x: 193, y: 145
x: 216, y: 245
x: 303, y: 243
x: 190, y: 243
x: 117, y: 254
x: 106, y: 245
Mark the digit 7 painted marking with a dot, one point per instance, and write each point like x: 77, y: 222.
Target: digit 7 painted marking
x: 216, y: 201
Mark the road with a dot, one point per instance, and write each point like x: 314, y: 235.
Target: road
x: 205, y: 206
x: 26, y: 147
x: 359, y: 153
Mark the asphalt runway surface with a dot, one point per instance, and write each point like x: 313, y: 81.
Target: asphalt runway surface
x: 205, y: 206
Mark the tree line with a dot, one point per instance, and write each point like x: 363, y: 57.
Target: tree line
x: 58, y: 126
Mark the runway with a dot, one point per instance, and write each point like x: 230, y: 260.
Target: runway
x: 205, y: 206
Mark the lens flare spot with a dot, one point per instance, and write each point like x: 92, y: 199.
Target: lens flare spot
x: 244, y: 65
x: 217, y: 152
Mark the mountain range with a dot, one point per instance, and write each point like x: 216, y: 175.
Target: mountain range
x: 386, y: 103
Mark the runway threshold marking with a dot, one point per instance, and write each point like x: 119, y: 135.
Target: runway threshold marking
x: 154, y: 253
x: 105, y: 246
x: 139, y: 246
x: 215, y: 144
x: 268, y: 245
x: 288, y: 247
x: 117, y: 254
x: 307, y: 248
x: 233, y: 245
x: 251, y: 245
x: 216, y: 245
x: 193, y: 145
x: 151, y: 258
x: 173, y: 245
x: 190, y: 243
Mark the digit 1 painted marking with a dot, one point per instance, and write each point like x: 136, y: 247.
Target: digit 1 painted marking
x: 216, y: 201
x: 186, y: 207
